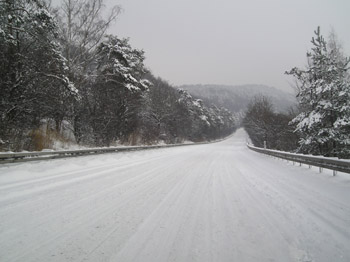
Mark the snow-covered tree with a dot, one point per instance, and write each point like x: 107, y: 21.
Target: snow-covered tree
x: 118, y: 92
x: 205, y: 122
x: 33, y: 79
x: 324, y: 97
x: 110, y: 99
x: 82, y: 27
x: 160, y: 114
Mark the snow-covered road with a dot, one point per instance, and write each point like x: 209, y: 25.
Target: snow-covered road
x: 215, y: 202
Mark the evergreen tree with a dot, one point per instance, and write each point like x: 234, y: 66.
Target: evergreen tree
x: 324, y: 97
x: 118, y: 93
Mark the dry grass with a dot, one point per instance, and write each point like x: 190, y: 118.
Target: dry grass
x: 45, y: 139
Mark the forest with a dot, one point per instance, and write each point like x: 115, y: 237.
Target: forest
x: 63, y: 78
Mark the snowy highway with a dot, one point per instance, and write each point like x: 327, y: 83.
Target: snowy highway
x: 216, y: 202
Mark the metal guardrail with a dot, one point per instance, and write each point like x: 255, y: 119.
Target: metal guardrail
x: 46, y: 155
x: 318, y: 161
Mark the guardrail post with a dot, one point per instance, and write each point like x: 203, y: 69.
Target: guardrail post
x: 334, y: 172
x: 320, y: 169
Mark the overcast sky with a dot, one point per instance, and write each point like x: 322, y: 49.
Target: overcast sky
x: 228, y: 41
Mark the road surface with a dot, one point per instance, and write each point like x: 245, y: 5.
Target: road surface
x: 216, y: 202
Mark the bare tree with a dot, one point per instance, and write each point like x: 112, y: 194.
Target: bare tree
x: 263, y: 124
x: 82, y: 28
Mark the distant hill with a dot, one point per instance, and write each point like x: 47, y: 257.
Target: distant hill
x: 237, y: 98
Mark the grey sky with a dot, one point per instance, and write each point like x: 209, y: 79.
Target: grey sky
x: 228, y: 41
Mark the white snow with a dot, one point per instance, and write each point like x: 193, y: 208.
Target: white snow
x: 131, y: 87
x: 214, y: 202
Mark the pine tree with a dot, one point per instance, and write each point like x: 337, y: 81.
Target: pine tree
x: 118, y: 92
x: 324, y: 97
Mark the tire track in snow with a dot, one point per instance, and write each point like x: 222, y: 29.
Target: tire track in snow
x: 165, y: 220
x: 217, y: 202
x: 102, y: 211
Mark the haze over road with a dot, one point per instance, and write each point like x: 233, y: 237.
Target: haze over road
x: 215, y: 202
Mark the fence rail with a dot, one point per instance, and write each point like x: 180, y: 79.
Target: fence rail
x: 40, y: 155
x: 318, y: 161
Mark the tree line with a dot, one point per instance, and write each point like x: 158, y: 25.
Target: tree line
x: 320, y: 124
x: 60, y: 69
